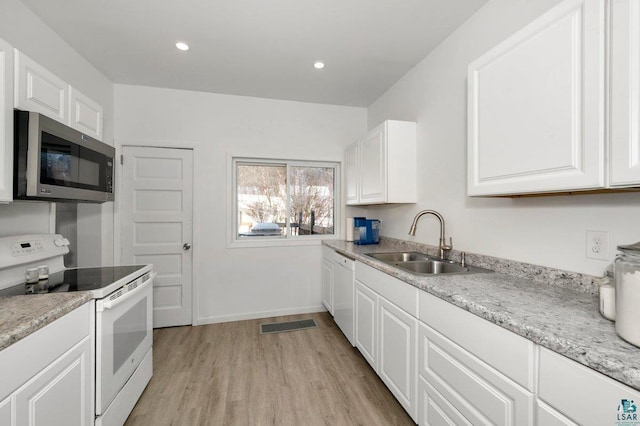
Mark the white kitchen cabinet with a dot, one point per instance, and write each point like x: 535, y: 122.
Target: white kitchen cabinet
x: 366, y: 326
x: 382, y: 167
x: 581, y: 394
x: 625, y: 93
x: 397, y: 353
x: 48, y: 377
x: 84, y: 114
x: 478, y: 392
x: 435, y: 410
x: 6, y: 122
x: 327, y: 284
x: 351, y: 174
x: 536, y: 105
x: 547, y: 416
x: 39, y: 90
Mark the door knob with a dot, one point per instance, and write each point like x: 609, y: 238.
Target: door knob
x: 186, y: 246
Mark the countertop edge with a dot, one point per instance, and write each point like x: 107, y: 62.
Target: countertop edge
x: 41, y: 319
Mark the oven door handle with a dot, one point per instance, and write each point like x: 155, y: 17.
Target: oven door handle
x: 106, y: 304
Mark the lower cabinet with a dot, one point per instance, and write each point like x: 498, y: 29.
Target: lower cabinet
x: 457, y: 385
x: 366, y: 323
x: 48, y: 376
x: 572, y: 393
x: 397, y: 360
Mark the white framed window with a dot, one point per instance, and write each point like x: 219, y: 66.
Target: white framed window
x: 283, y: 202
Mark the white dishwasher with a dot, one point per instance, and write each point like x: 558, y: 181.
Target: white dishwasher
x: 343, y: 313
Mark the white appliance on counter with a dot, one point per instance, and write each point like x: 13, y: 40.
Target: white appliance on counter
x: 343, y: 313
x: 124, y: 315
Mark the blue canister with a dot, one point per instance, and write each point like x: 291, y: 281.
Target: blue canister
x: 367, y: 231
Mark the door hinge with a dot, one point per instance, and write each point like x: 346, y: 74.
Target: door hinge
x: 121, y: 159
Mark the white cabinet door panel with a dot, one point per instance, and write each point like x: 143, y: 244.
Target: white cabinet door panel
x: 351, y: 174
x: 84, y: 114
x: 625, y: 93
x: 366, y: 323
x: 373, y: 167
x: 37, y: 89
x: 536, y: 106
x: 397, y: 359
x: 435, y: 410
x: 580, y: 393
x: 59, y: 395
x: 6, y: 122
x: 5, y: 412
x: 482, y: 394
x: 547, y: 416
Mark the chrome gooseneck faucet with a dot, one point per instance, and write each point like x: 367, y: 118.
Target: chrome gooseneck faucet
x: 443, y: 244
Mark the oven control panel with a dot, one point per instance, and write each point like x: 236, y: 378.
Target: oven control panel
x: 23, y: 248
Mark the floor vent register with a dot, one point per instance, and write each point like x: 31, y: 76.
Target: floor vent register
x: 281, y: 327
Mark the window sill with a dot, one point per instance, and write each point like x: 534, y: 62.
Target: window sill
x: 281, y: 242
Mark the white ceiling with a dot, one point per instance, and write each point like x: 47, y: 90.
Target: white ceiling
x: 263, y: 48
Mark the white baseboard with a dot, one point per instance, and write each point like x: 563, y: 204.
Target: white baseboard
x: 258, y: 315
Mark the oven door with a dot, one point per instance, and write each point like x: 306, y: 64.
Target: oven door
x: 124, y: 335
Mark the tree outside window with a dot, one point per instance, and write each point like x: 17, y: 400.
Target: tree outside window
x: 284, y: 199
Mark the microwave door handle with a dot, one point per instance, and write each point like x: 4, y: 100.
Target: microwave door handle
x: 107, y: 304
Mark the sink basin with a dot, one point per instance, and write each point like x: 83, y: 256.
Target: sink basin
x: 401, y: 256
x: 421, y: 264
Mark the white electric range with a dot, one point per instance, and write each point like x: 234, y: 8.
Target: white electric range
x: 124, y: 309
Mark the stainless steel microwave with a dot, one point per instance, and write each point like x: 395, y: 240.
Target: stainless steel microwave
x: 54, y: 162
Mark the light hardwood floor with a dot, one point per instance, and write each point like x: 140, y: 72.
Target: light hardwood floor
x: 229, y: 374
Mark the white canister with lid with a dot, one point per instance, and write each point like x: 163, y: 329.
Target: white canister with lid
x: 627, y: 273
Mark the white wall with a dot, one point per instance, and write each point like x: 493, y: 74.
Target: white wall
x: 240, y: 282
x: 26, y: 32
x: 547, y: 231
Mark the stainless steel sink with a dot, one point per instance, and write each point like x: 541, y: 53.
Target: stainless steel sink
x: 422, y: 264
x: 401, y: 256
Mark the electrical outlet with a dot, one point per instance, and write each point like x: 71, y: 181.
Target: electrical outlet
x: 597, y: 246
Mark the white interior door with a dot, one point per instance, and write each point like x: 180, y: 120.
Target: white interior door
x: 157, y: 220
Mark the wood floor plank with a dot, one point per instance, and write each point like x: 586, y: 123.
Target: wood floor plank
x: 229, y: 374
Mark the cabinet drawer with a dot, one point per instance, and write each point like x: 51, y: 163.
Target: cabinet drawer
x: 485, y: 340
x: 482, y: 394
x: 400, y: 293
x: 434, y: 409
x: 580, y: 393
x: 26, y: 358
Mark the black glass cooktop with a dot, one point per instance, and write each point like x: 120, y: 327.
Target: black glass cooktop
x: 81, y: 279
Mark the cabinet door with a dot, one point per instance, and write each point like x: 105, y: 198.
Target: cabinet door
x: 536, y: 106
x: 547, y: 416
x: 5, y: 412
x: 327, y: 285
x: 60, y: 394
x: 351, y: 179
x: 373, y: 167
x: 84, y: 114
x: 434, y: 409
x: 625, y: 93
x: 6, y: 122
x: 582, y: 394
x: 37, y: 89
x: 480, y: 393
x: 366, y: 324
x: 397, y: 361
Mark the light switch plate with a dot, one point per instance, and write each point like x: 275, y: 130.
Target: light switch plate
x: 597, y: 245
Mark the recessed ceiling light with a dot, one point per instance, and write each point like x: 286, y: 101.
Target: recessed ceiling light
x: 182, y: 46
x: 318, y: 65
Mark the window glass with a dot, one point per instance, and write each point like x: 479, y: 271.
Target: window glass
x: 284, y: 199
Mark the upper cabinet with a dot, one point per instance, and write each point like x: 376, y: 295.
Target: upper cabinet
x: 536, y: 106
x: 84, y: 114
x: 381, y: 168
x: 625, y: 93
x: 39, y: 90
x: 6, y: 122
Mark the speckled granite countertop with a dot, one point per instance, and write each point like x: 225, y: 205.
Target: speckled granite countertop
x: 555, y: 309
x: 22, y: 315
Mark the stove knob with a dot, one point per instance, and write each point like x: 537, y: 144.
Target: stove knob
x: 61, y: 242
